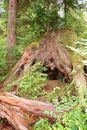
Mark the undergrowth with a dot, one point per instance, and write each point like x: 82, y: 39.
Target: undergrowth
x: 18, y: 50
x: 31, y: 83
x: 3, y: 66
x: 73, y: 120
x: 70, y: 116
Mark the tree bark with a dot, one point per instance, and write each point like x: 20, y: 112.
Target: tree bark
x: 11, y: 37
x: 14, y: 109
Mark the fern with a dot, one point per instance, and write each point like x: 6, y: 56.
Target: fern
x: 81, y: 47
x: 32, y: 82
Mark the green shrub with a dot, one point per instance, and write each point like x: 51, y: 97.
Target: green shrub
x: 32, y: 82
x: 43, y: 124
x: 70, y: 117
x: 3, y: 66
x: 73, y: 120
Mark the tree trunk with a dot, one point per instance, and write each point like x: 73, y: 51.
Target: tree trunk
x: 11, y: 37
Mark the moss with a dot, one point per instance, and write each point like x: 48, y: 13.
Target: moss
x: 66, y: 36
x: 34, y: 45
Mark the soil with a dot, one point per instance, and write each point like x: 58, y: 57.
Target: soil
x: 51, y: 84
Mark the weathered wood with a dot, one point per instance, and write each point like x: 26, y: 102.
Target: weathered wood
x: 13, y: 116
x: 13, y: 109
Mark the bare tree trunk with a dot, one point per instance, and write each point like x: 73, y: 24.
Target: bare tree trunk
x: 11, y: 37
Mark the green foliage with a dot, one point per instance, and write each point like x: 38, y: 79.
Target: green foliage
x: 43, y: 124
x: 3, y: 33
x: 65, y: 104
x: 59, y: 91
x: 72, y: 13
x: 53, y: 94
x: 17, y: 53
x: 2, y: 27
x: 38, y: 18
x: 74, y: 120
x: 3, y: 62
x: 70, y: 116
x: 77, y: 19
x: 50, y: 113
x: 3, y: 66
x: 32, y: 82
x: 80, y: 47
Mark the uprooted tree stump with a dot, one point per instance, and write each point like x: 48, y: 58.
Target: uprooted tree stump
x: 50, y: 53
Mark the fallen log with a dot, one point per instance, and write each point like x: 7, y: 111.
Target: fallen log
x: 14, y: 108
